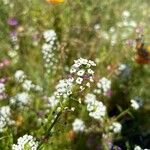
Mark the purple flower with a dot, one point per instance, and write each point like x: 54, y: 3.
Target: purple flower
x: 129, y: 42
x: 109, y: 93
x: 3, y: 96
x: 12, y: 21
x: 3, y: 80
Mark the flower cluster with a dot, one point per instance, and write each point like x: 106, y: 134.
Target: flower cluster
x: 27, y: 85
x: 139, y: 148
x: 96, y: 109
x: 82, y: 73
x: 20, y: 99
x: 2, y: 91
x: 78, y: 125
x: 103, y: 86
x: 49, y: 49
x: 27, y: 142
x: 13, y: 53
x: 53, y: 101
x: 134, y: 104
x: 116, y: 127
x: 62, y: 90
x: 5, y: 117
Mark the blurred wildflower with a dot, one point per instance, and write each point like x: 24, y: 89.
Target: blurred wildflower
x: 13, y: 36
x: 103, y: 87
x: 64, y: 88
x: 129, y: 42
x: 78, y: 125
x: 2, y: 91
x: 62, y: 91
x: 137, y: 148
x: 21, y: 99
x: 55, y: 1
x: 27, y: 142
x: 26, y: 84
x: 52, y: 101
x: 96, y: 109
x: 126, y: 14
x: 4, y: 63
x: 97, y: 26
x: 49, y: 49
x: 50, y: 36
x: 12, y: 21
x: 123, y: 71
x: 122, y: 67
x: 139, y: 30
x: 3, y: 79
x: 5, y: 117
x: 20, y: 76
x: 116, y: 127
x: 134, y: 104
x: 2, y: 87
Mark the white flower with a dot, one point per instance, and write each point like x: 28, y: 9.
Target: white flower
x: 95, y: 108
x: 20, y: 75
x: 122, y: 67
x: 91, y: 79
x: 103, y: 86
x: 27, y: 85
x: 137, y: 148
x: 80, y: 72
x: 90, y: 98
x: 79, y: 80
x: 92, y: 63
x: 90, y: 71
x: 25, y: 142
x: 49, y: 35
x: 97, y: 26
x: 53, y: 101
x: 112, y: 30
x: 88, y: 84
x: 116, y: 127
x: 134, y: 104
x: 21, y: 99
x: 64, y: 88
x: 72, y: 70
x: 126, y: 14
x: 49, y: 49
x: 2, y: 87
x: 78, y: 125
x: 99, y: 110
x: 5, y: 117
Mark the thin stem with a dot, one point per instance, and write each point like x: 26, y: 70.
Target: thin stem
x: 122, y: 114
x: 48, y: 131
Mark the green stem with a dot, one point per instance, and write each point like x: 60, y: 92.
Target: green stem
x: 121, y: 114
x: 48, y: 131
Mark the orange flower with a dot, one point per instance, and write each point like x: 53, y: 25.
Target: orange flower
x: 55, y: 1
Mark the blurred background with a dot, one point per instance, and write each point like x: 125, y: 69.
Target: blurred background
x: 103, y: 31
